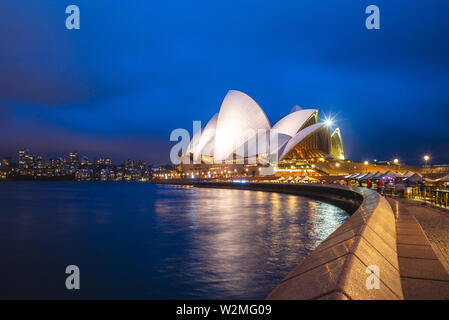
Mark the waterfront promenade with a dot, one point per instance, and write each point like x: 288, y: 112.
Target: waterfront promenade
x: 423, y: 249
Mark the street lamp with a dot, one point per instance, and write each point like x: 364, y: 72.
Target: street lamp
x: 365, y: 163
x: 396, y: 161
x: 426, y: 159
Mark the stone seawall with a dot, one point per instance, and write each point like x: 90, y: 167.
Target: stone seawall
x: 342, y: 197
x: 339, y: 268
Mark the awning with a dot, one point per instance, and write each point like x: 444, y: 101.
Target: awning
x: 443, y: 179
x: 414, y: 178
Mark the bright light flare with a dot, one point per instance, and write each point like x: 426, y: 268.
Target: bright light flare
x: 329, y: 120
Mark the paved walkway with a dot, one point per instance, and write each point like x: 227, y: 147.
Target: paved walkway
x: 422, y: 258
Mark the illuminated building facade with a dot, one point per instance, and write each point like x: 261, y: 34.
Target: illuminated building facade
x: 241, y: 134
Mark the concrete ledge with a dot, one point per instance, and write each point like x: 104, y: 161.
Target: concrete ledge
x: 337, y: 268
x: 347, y: 198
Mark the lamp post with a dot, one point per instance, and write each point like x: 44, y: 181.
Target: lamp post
x: 426, y: 159
x: 366, y: 165
x: 396, y: 162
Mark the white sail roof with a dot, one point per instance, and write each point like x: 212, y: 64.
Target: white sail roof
x: 207, y: 135
x: 291, y: 123
x: 295, y: 108
x: 268, y: 143
x: 205, y: 146
x: 238, y: 121
x: 239, y: 124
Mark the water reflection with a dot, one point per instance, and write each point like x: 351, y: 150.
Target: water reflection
x: 141, y: 241
x: 242, y: 243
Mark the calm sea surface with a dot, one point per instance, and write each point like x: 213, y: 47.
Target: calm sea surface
x: 138, y: 240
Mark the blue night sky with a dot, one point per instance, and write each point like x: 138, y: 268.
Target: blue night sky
x: 138, y: 69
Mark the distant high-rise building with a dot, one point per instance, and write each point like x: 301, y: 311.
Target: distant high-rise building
x: 84, y: 161
x: 129, y: 164
x: 39, y: 162
x: 74, y: 158
x: 25, y: 158
x: 6, y: 161
x: 99, y: 161
x: 141, y: 164
x: 23, y: 155
x: 53, y: 163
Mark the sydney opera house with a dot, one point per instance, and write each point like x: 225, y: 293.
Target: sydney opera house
x: 239, y: 138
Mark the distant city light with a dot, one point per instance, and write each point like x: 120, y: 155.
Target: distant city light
x: 396, y: 161
x: 366, y: 163
x: 337, y: 164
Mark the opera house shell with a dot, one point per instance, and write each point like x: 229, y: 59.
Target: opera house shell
x: 242, y: 131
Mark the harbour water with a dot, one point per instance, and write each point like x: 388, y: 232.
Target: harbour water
x: 145, y: 241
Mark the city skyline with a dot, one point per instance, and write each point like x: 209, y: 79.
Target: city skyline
x: 16, y: 156
x: 73, y: 167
